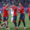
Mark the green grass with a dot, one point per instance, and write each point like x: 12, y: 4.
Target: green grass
x: 11, y: 25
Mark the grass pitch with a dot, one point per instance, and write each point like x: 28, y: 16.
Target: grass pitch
x: 11, y: 25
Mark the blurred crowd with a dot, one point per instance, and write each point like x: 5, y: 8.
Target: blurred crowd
x: 25, y: 2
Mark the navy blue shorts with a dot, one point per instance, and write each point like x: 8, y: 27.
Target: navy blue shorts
x: 14, y: 17
x: 29, y: 17
x: 0, y: 17
x: 22, y: 16
x: 5, y: 18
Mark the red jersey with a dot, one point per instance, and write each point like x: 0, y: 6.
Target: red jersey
x: 21, y: 10
x: 0, y: 10
x: 29, y: 10
x: 5, y: 12
x: 15, y: 10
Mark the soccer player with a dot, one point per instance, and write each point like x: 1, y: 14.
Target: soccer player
x: 12, y: 12
x: 0, y: 18
x: 0, y: 15
x: 28, y: 10
x: 5, y: 15
x: 22, y: 15
x: 14, y: 15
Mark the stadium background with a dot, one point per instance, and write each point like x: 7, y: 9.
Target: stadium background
x: 25, y: 3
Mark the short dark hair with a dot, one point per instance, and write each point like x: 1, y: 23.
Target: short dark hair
x: 21, y: 3
x: 0, y: 2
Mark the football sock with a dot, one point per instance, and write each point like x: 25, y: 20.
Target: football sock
x: 24, y: 23
x: 0, y: 22
x: 15, y: 22
x: 19, y: 23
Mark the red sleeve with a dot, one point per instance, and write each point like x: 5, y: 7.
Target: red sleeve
x: 27, y: 10
x: 16, y: 8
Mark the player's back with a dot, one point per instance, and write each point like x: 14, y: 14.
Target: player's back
x: 15, y: 10
x: 4, y: 9
x: 29, y: 10
x: 5, y: 13
x: 0, y: 10
x: 22, y: 9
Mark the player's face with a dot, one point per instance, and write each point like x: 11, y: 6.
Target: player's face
x: 19, y: 4
x: 13, y: 5
x: 29, y: 5
x: 7, y: 5
x: 0, y: 4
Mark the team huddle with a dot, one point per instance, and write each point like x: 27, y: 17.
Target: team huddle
x: 14, y: 10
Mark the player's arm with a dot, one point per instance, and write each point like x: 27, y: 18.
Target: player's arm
x: 27, y: 10
x: 18, y: 10
x: 7, y: 9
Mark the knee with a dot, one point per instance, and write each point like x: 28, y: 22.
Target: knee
x: 14, y: 20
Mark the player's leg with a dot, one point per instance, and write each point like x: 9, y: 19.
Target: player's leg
x: 14, y: 20
x: 29, y: 17
x: 11, y: 18
x: 0, y: 21
x: 24, y: 24
x: 12, y: 13
x: 19, y: 20
x: 23, y: 20
x: 6, y: 22
x: 19, y: 23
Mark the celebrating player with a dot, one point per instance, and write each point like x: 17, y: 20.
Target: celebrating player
x: 0, y: 16
x: 28, y: 10
x: 22, y: 15
x: 14, y: 15
x: 12, y: 12
x: 5, y: 15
